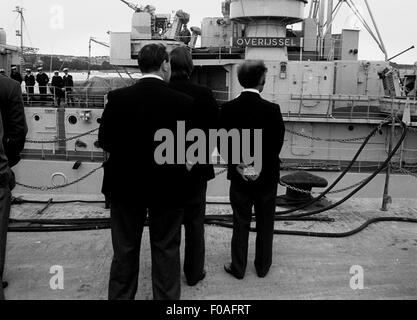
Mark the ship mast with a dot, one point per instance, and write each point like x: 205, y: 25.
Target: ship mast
x: 19, y: 33
x: 317, y: 8
x: 377, y: 30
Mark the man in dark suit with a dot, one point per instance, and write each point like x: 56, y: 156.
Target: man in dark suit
x: 135, y: 182
x: 250, y: 188
x: 15, y: 75
x: 205, y: 113
x: 13, y: 130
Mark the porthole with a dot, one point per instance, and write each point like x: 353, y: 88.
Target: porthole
x: 99, y: 120
x: 36, y: 117
x: 72, y: 120
x: 351, y: 128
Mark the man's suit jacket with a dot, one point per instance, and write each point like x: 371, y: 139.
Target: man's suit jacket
x: 205, y: 113
x: 250, y: 111
x: 17, y: 77
x: 13, y: 127
x: 130, y: 120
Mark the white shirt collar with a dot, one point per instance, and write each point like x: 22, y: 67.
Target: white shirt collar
x: 147, y: 76
x: 251, y: 90
x: 248, y: 90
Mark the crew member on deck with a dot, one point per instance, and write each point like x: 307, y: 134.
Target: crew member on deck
x: 185, y: 35
x: 57, y: 87
x: 15, y: 75
x: 42, y: 79
x: 30, y: 83
x: 68, y: 86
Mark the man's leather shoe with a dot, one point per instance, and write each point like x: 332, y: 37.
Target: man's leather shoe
x: 5, y: 284
x: 193, y: 283
x: 261, y: 275
x: 228, y: 268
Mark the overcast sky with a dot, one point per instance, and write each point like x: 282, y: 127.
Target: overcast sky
x: 64, y: 26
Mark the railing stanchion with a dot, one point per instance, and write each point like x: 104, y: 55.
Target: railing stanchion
x: 386, y: 198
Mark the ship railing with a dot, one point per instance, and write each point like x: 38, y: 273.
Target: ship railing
x: 318, y: 105
x: 292, y: 104
x: 405, y: 160
x: 74, y: 97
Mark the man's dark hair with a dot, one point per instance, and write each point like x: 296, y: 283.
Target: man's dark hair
x: 181, y: 63
x: 250, y: 73
x: 151, y: 57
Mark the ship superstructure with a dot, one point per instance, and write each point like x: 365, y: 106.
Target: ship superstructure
x: 330, y: 100
x: 313, y: 74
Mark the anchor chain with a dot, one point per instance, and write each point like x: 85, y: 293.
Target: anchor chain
x: 346, y: 140
x: 62, y: 140
x: 48, y: 188
x: 405, y: 171
x: 314, y: 193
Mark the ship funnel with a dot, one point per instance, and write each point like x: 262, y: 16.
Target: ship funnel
x: 266, y: 19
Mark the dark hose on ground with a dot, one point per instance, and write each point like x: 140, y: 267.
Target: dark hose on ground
x: 347, y: 169
x: 360, y: 187
x: 219, y: 223
x: 61, y: 225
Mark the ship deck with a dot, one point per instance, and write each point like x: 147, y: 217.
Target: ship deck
x: 303, y: 267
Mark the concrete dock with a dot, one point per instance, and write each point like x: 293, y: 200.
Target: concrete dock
x: 303, y: 267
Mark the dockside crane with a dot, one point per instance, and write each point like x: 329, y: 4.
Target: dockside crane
x: 104, y: 44
x: 134, y: 7
x: 92, y: 39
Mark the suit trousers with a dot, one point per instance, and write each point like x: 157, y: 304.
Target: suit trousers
x: 243, y: 198
x: 194, y: 216
x: 127, y: 222
x: 165, y: 233
x: 7, y: 183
